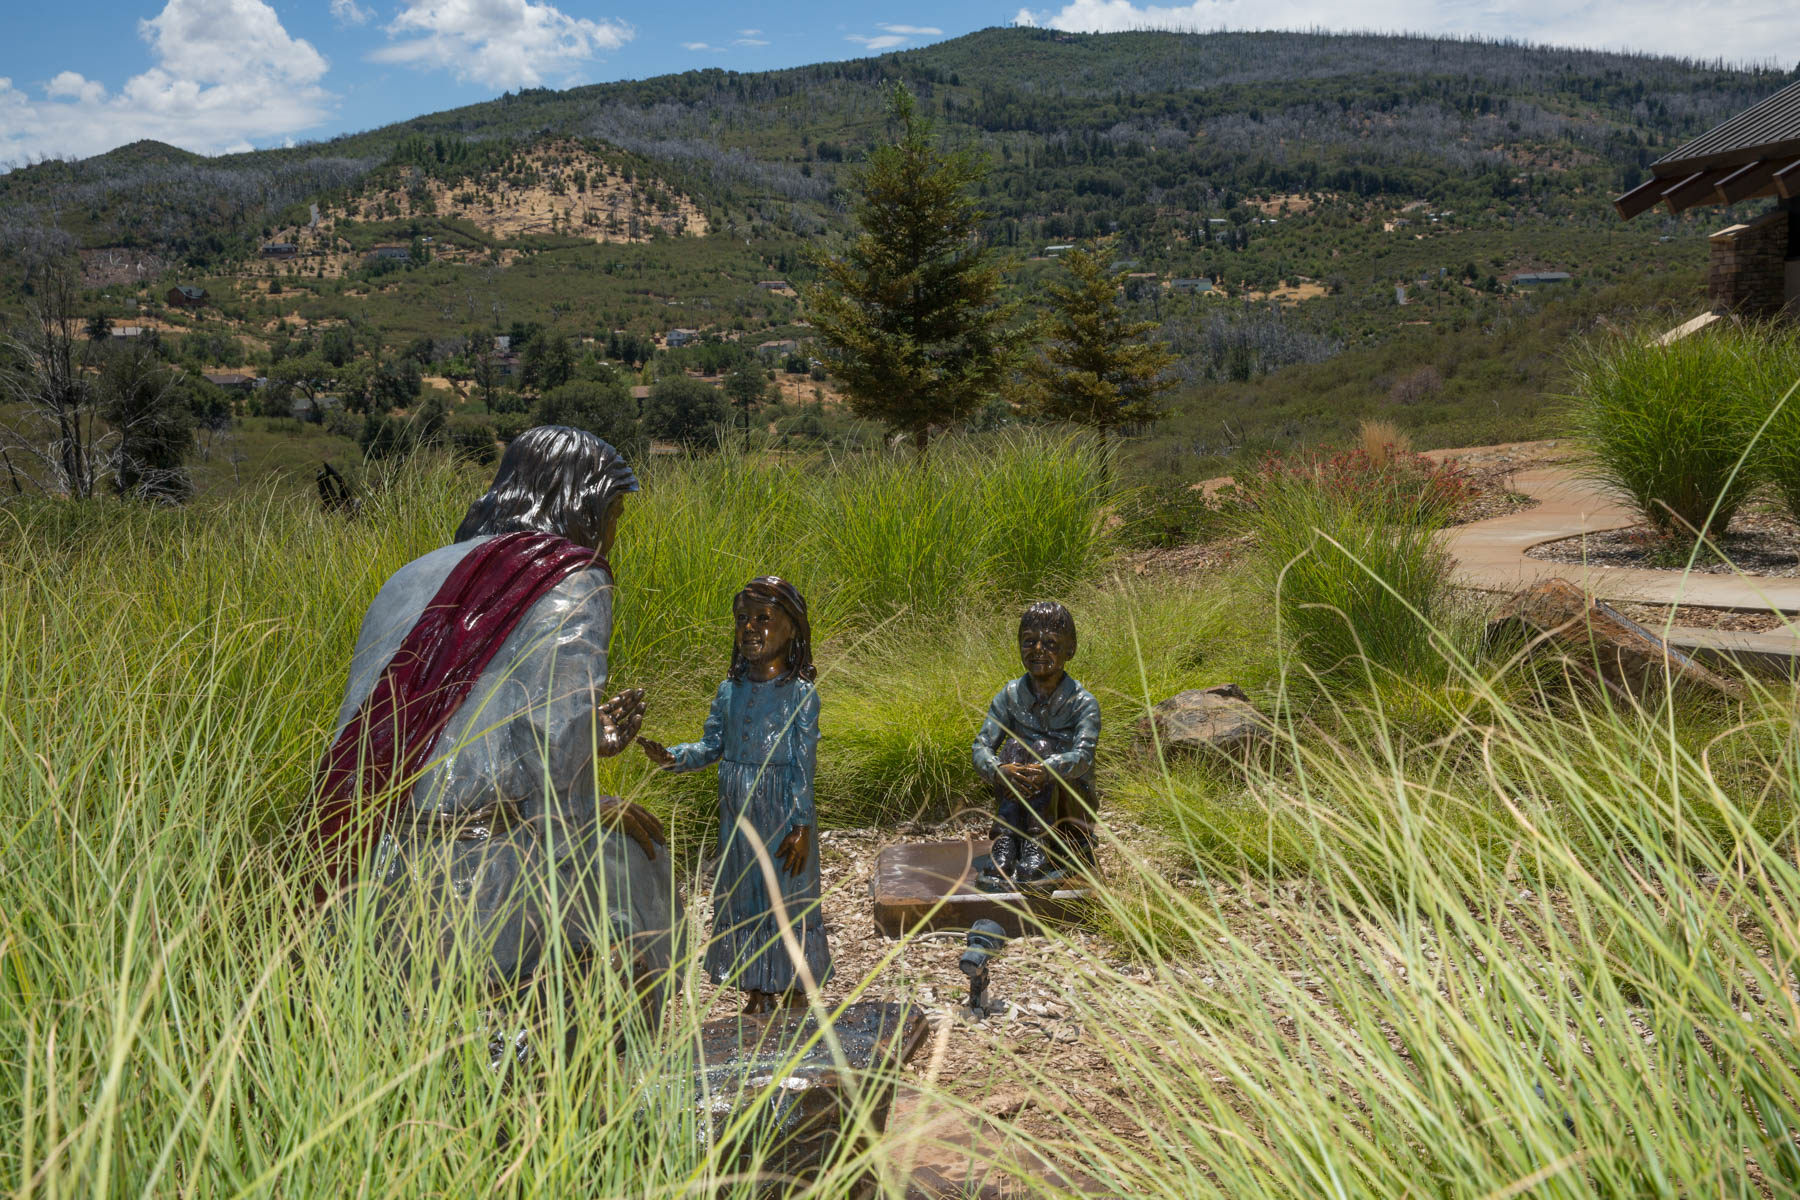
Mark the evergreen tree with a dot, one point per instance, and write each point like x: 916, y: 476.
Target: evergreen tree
x: 910, y: 314
x: 1095, y: 369
x: 148, y: 412
x: 746, y: 388
x: 602, y: 407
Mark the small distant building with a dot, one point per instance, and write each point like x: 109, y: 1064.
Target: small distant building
x: 502, y: 343
x: 186, y: 296
x: 279, y: 250
x: 1191, y: 286
x: 127, y: 331
x: 231, y: 381
x: 1053, y: 251
x: 778, y: 348
x: 1400, y: 294
x: 392, y: 253
x: 774, y: 285
x: 681, y: 337
x: 1526, y: 279
x: 1755, y: 267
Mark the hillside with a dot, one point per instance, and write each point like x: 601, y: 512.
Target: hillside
x: 1276, y: 199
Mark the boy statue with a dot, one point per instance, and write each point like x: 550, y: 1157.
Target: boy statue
x: 1036, y: 749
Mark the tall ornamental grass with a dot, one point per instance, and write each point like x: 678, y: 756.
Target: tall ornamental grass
x: 1548, y: 952
x: 1350, y: 547
x: 1671, y: 427
x: 1776, y: 383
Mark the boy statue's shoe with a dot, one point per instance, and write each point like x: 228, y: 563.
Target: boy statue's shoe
x: 1006, y: 848
x: 996, y: 876
x: 1032, y: 861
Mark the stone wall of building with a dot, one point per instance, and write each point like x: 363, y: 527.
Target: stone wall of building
x: 1748, y: 275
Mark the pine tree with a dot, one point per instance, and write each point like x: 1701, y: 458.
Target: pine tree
x: 910, y: 314
x: 1094, y: 369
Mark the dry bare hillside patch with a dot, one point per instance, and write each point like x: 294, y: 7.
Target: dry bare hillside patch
x: 560, y: 188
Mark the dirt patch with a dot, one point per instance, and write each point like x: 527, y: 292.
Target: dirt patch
x: 1292, y: 293
x: 1763, y: 544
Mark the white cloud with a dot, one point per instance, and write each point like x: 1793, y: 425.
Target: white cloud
x: 349, y: 12
x: 1757, y: 30
x: 703, y: 46
x: 499, y: 43
x: 913, y: 30
x: 225, y: 71
x: 886, y: 41
x: 749, y: 41
x: 749, y: 33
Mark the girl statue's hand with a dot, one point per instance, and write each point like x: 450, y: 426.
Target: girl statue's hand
x: 656, y: 752
x: 792, y: 852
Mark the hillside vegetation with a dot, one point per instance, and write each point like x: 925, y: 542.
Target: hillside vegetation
x: 1275, y: 201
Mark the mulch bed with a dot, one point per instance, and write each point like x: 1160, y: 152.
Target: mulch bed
x: 1758, y: 543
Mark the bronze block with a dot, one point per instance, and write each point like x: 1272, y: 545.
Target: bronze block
x: 931, y: 885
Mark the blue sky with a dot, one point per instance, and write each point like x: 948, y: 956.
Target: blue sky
x: 221, y: 75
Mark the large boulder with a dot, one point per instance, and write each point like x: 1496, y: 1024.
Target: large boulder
x: 1555, y: 621
x: 1214, y: 720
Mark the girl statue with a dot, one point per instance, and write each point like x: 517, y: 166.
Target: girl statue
x: 763, y: 731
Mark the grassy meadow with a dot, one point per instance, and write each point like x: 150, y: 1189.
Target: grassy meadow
x: 1446, y: 937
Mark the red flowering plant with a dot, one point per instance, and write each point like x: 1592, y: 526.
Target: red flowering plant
x: 1401, y: 486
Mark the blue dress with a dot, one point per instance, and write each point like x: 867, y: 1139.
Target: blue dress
x: 765, y: 738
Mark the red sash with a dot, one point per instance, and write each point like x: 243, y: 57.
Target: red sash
x: 388, y: 742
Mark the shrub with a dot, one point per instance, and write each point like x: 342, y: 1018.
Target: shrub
x: 684, y: 410
x: 1668, y: 426
x: 605, y: 408
x: 472, y: 439
x: 1350, y: 548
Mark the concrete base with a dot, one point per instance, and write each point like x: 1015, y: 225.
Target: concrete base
x: 931, y: 885
x: 1775, y: 654
x: 820, y: 1100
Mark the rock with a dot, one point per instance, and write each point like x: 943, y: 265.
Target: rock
x: 1217, y: 720
x: 1556, y: 621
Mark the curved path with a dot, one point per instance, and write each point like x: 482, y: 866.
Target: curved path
x: 1491, y: 557
x: 1491, y: 554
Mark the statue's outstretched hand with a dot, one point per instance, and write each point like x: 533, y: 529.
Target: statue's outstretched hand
x: 635, y: 821
x: 791, y: 854
x: 620, y: 718
x: 656, y: 752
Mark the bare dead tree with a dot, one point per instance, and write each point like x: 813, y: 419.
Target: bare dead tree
x: 44, y: 369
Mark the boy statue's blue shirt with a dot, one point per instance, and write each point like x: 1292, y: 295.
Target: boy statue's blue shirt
x: 1069, y: 717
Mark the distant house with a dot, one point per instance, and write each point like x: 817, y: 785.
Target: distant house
x: 1053, y: 251
x: 778, y: 348
x: 1191, y: 286
x: 279, y: 250
x: 681, y: 337
x: 502, y: 343
x: 774, y: 285
x: 1400, y: 294
x: 127, y: 331
x: 392, y: 253
x: 1539, y: 278
x: 186, y: 296
x: 231, y: 381
x: 1755, y: 266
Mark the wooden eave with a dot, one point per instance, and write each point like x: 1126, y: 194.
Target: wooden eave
x: 1787, y: 181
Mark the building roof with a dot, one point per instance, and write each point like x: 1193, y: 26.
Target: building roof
x: 190, y: 291
x: 1755, y: 153
x: 227, y: 378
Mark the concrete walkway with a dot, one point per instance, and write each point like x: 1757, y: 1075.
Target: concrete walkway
x: 1491, y: 557
x: 1491, y: 554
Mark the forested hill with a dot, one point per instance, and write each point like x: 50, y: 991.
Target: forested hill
x: 1085, y: 132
